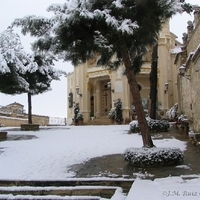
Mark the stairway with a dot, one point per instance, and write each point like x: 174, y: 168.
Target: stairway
x: 101, y: 120
x: 73, y: 189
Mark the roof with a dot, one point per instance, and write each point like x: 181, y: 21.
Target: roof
x: 15, y: 104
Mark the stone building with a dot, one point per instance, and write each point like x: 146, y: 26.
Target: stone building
x: 96, y: 88
x: 188, y: 66
x: 14, y: 115
x: 13, y: 110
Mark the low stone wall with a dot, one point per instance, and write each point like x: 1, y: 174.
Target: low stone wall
x: 29, y: 127
x: 16, y: 122
x: 12, y: 121
x: 3, y: 135
x: 41, y: 120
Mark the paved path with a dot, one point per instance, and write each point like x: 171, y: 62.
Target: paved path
x: 115, y: 166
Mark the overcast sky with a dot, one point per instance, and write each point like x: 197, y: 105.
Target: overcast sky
x: 54, y: 103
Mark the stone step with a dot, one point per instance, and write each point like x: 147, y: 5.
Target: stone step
x: 29, y: 197
x: 102, y: 120
x: 95, y: 192
x: 82, y: 189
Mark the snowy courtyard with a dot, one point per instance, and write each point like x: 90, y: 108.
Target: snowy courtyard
x: 47, y: 154
x: 51, y: 151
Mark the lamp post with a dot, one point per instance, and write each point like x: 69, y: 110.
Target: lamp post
x: 109, y: 86
x: 166, y: 87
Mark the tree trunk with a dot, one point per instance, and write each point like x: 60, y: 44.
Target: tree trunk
x: 147, y: 141
x: 153, y: 83
x: 29, y: 109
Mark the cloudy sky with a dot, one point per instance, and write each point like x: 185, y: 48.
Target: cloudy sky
x: 54, y: 103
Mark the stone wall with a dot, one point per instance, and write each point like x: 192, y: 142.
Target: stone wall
x: 13, y: 115
x: 195, y: 94
x: 16, y: 121
x: 41, y: 120
x: 190, y: 80
x: 12, y: 121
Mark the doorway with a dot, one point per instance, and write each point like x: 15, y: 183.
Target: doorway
x: 106, y: 103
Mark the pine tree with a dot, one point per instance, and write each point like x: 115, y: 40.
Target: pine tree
x: 24, y: 73
x: 81, y: 29
x: 13, y: 60
x: 40, y: 78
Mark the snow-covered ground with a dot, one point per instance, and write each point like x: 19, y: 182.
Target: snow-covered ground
x: 49, y: 154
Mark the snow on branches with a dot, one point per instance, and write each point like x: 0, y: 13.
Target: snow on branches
x: 12, y: 53
x: 92, y: 19
x: 21, y: 72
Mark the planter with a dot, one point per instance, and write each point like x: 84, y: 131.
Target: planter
x: 92, y: 118
x: 75, y: 123
x: 112, y: 121
x: 184, y: 128
x: 3, y: 135
x: 127, y: 121
x: 80, y: 122
x: 30, y: 127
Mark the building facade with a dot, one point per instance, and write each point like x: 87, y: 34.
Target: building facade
x: 96, y: 88
x: 188, y: 66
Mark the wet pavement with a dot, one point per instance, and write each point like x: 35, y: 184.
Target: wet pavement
x: 115, y: 165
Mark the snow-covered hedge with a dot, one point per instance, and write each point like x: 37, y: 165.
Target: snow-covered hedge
x: 153, y: 157
x: 154, y: 125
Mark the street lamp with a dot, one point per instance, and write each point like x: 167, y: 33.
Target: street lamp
x: 166, y: 87
x: 109, y: 85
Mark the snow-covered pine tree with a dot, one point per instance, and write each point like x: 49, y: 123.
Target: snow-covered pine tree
x: 24, y: 73
x: 13, y: 60
x: 81, y: 29
x: 40, y: 78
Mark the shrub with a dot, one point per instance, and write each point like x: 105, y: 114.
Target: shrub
x: 154, y: 125
x: 76, y: 111
x: 79, y: 116
x: 172, y: 113
x: 153, y: 157
x: 118, y: 111
x: 111, y: 114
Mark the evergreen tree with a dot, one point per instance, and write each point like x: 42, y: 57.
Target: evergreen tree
x: 40, y: 78
x: 24, y: 73
x: 13, y: 62
x: 118, y: 111
x: 81, y: 29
